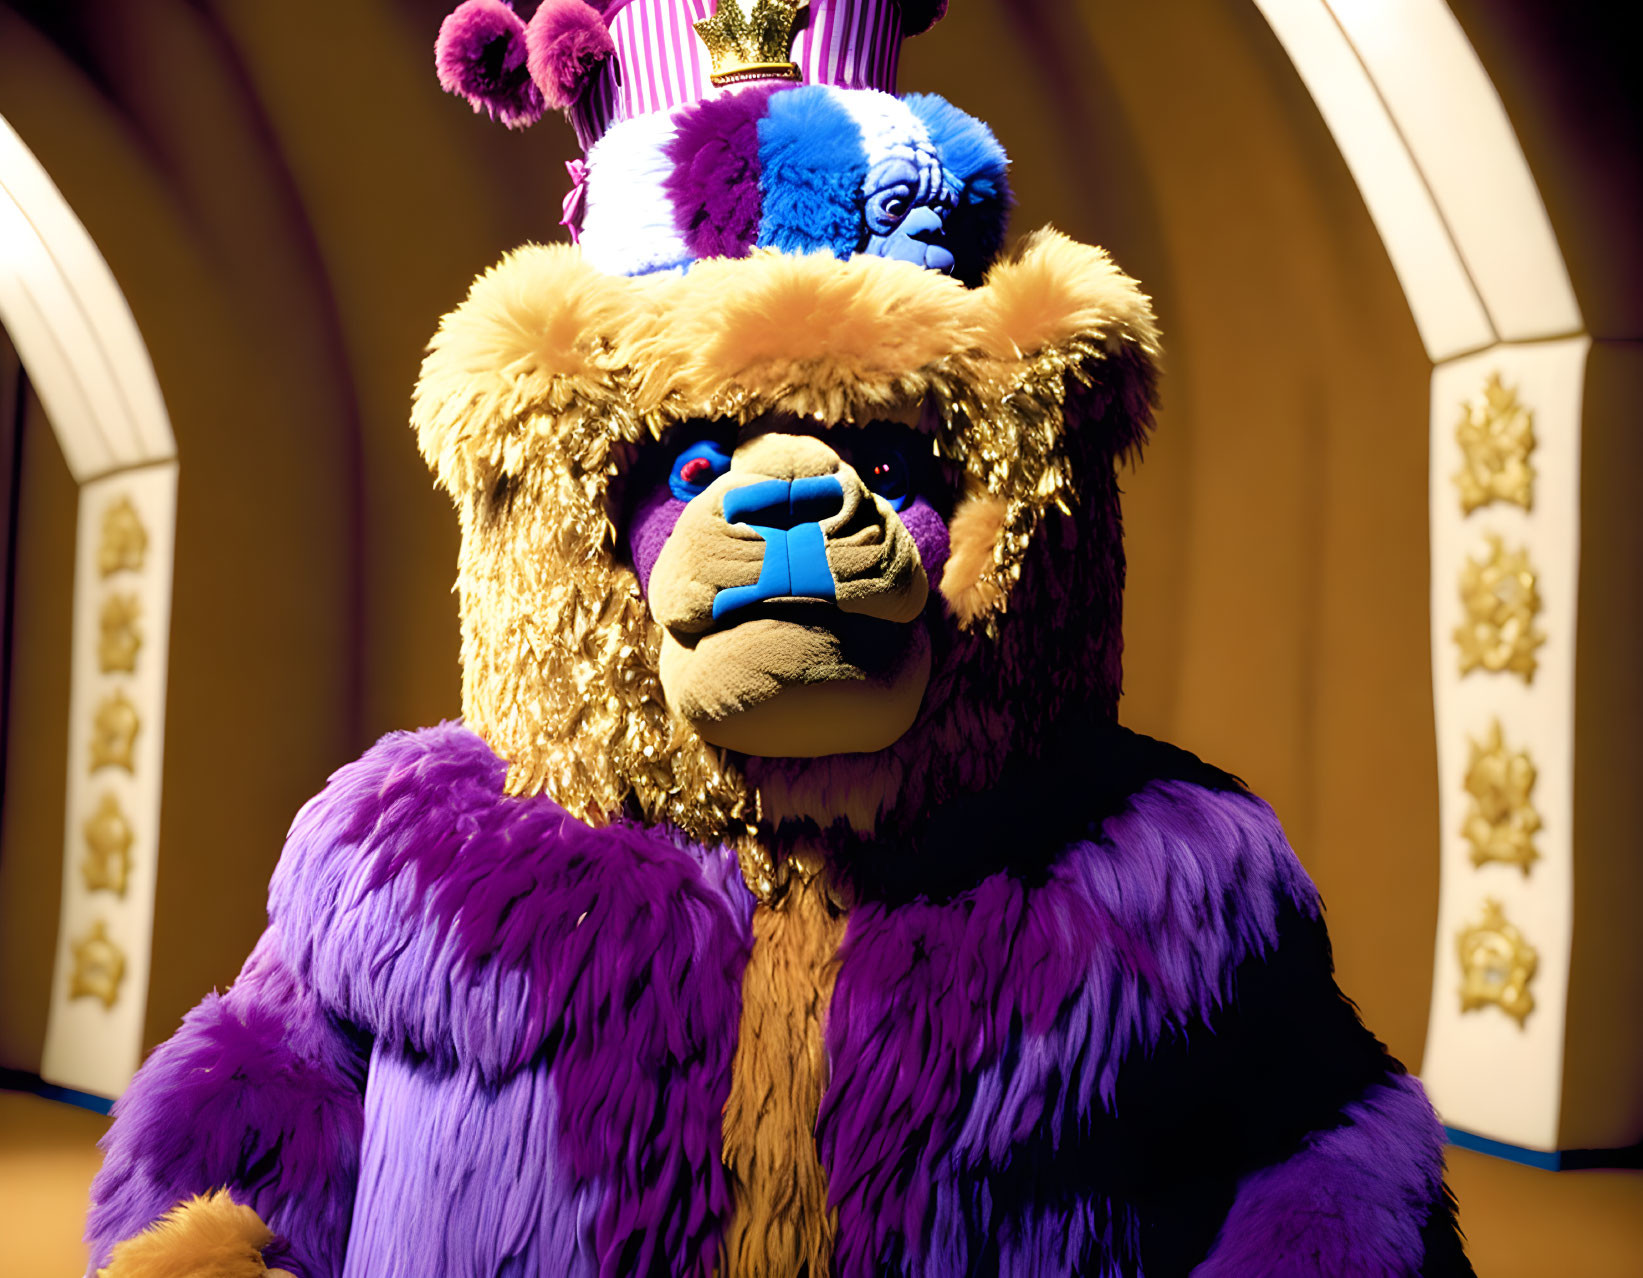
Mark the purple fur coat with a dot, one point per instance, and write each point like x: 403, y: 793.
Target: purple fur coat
x: 482, y: 1038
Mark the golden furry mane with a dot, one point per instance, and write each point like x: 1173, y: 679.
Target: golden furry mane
x: 535, y: 389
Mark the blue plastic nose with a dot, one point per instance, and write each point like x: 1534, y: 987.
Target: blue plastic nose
x: 779, y: 503
x: 787, y: 515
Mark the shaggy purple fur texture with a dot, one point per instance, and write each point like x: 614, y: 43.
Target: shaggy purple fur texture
x: 1122, y: 1052
x: 1016, y: 1005
x: 481, y: 55
x: 568, y: 40
x: 713, y: 179
x: 259, y: 1090
x: 440, y: 1136
x: 1350, y: 1203
x: 501, y: 954
x: 1079, y: 1071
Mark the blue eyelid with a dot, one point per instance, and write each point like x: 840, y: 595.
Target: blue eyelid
x: 705, y: 449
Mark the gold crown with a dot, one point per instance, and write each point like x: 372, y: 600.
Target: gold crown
x: 752, y: 48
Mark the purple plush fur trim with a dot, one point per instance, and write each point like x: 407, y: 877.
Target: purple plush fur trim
x: 568, y: 40
x: 485, y: 932
x: 652, y: 524
x: 481, y: 56
x: 258, y: 1091
x: 959, y: 1029
x: 714, y: 178
x: 1349, y: 1204
x: 929, y: 533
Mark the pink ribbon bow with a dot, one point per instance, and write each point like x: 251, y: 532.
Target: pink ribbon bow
x: 576, y: 202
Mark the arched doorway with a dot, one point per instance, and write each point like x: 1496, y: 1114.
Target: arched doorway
x: 81, y: 353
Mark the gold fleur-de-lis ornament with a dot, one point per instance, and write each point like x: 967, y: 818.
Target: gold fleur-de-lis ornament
x: 124, y: 541
x: 119, y: 638
x: 1496, y: 965
x: 1501, y: 599
x: 114, y: 734
x: 1501, y: 821
x: 106, y: 865
x: 1496, y: 434
x: 99, y: 967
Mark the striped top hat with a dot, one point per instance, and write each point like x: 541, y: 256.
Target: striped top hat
x: 713, y: 127
x: 604, y: 61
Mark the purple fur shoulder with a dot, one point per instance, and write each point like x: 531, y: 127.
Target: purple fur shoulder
x: 470, y: 943
x: 260, y: 1091
x: 1128, y: 1056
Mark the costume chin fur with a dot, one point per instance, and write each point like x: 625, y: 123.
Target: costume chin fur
x: 481, y: 1037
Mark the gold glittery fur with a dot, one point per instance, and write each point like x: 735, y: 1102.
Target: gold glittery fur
x: 535, y: 390
x: 782, y: 1225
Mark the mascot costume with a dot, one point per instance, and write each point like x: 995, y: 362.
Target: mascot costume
x: 789, y: 900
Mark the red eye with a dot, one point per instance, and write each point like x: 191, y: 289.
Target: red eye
x: 884, y: 467
x: 697, y: 467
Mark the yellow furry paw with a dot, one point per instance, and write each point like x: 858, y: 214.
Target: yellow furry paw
x: 210, y: 1236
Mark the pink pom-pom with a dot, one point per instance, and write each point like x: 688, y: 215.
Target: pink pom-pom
x: 918, y: 16
x: 481, y: 55
x: 568, y: 41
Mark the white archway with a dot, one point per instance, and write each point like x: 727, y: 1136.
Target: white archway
x: 85, y: 358
x: 1428, y: 142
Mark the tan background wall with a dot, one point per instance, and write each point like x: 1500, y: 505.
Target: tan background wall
x: 289, y: 203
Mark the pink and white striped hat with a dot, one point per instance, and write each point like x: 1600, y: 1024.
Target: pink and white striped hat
x: 606, y: 61
x: 662, y: 63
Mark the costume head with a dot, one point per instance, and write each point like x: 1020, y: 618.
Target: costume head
x: 785, y: 506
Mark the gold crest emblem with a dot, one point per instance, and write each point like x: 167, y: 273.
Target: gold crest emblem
x: 1501, y: 821
x: 107, y: 862
x: 124, y: 541
x: 1496, y: 965
x: 119, y: 639
x: 1496, y: 434
x: 1501, y: 599
x: 114, y: 734
x: 99, y: 967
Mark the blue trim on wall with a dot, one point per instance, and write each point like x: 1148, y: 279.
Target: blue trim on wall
x: 1547, y: 1159
x: 16, y: 1080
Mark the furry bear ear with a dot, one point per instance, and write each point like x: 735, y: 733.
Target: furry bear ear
x: 568, y: 41
x: 918, y: 16
x: 973, y: 158
x: 974, y: 532
x: 481, y: 55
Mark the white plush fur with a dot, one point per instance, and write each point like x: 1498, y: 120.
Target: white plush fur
x: 628, y: 228
x: 887, y: 126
